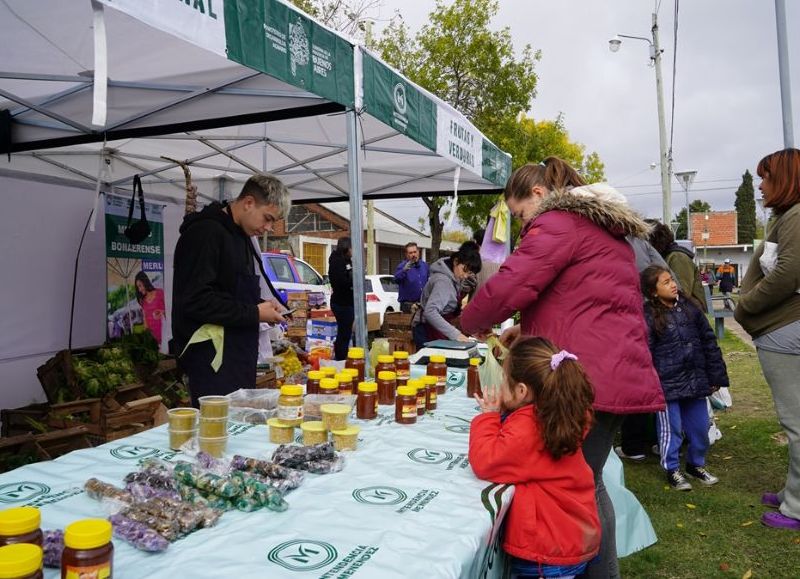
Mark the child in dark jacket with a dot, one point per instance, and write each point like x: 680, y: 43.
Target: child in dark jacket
x: 690, y: 366
x: 552, y: 529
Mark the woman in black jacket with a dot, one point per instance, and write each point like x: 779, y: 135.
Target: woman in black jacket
x: 690, y: 366
x: 340, y: 273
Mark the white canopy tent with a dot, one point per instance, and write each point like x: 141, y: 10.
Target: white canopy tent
x: 232, y: 87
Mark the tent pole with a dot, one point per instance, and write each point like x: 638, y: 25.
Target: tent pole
x: 356, y: 228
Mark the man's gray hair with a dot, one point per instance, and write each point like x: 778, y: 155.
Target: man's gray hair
x: 268, y: 189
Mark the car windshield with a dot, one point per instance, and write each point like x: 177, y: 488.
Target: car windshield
x: 389, y: 284
x: 282, y: 269
x: 307, y: 275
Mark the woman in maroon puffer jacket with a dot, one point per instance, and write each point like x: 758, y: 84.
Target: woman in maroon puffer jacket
x: 574, y: 280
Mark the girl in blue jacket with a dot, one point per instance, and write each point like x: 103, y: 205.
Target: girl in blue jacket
x: 690, y: 366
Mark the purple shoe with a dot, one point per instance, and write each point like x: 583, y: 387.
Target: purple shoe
x: 780, y: 521
x: 770, y: 500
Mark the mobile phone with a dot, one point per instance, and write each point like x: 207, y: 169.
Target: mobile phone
x: 288, y: 313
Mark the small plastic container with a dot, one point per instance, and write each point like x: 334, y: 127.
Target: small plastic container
x: 214, y: 406
x: 314, y: 433
x: 88, y: 551
x: 405, y: 409
x: 387, y: 388
x: 430, y: 383
x: 437, y: 366
x: 334, y: 416
x: 355, y: 360
x: 401, y: 364
x: 280, y: 432
x: 346, y: 438
x: 21, y: 561
x: 314, y: 376
x: 183, y: 418
x: 385, y: 364
x: 290, y: 404
x: 346, y: 385
x: 213, y: 427
x: 367, y: 401
x: 20, y: 525
x: 178, y: 438
x: 474, y: 378
x: 422, y: 395
x: 213, y: 445
x: 329, y: 386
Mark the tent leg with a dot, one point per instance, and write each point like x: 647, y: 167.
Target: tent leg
x: 356, y: 228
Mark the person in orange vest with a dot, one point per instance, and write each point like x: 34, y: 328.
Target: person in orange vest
x: 726, y: 275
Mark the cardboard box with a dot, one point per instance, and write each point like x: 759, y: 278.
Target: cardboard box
x: 323, y: 328
x: 373, y: 322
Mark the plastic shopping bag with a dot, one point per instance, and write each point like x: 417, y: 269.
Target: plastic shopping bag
x: 491, y: 371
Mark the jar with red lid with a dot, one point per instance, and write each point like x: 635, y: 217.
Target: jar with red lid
x: 405, y: 409
x: 367, y: 401
x: 355, y: 359
x: 430, y: 383
x: 312, y: 385
x: 387, y: 387
x: 401, y: 364
x: 474, y: 378
x: 422, y: 395
x: 437, y: 366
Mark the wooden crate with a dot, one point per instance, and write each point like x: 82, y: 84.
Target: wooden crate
x: 58, y: 372
x: 397, y: 321
x: 25, y: 420
x: 26, y: 448
x: 132, y: 417
x: 267, y: 380
x: 86, y: 413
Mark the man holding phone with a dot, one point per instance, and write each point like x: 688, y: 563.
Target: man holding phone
x: 411, y: 276
x: 216, y: 298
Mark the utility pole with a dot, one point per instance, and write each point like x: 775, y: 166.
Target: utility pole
x: 371, y: 238
x: 783, y: 72
x: 666, y: 169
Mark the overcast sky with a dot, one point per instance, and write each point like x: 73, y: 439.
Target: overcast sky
x: 727, y: 95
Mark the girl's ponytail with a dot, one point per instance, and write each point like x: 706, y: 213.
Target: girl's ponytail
x: 562, y: 393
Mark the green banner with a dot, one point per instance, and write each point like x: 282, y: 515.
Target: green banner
x: 496, y: 164
x: 280, y: 41
x: 393, y: 100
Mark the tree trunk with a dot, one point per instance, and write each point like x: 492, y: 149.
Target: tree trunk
x: 437, y: 228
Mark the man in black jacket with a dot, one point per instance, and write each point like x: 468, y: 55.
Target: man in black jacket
x: 217, y: 272
x: 340, y: 272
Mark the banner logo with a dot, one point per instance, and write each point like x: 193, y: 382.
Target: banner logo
x: 302, y: 555
x: 21, y: 492
x: 425, y: 456
x: 380, y: 495
x: 399, y: 95
x: 299, y: 52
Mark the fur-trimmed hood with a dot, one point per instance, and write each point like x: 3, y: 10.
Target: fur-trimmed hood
x: 601, y: 204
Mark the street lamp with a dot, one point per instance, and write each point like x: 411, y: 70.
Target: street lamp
x: 655, y: 57
x: 685, y: 178
x: 705, y: 236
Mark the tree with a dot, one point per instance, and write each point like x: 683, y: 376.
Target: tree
x: 460, y: 59
x: 746, y: 210
x: 350, y: 17
x: 696, y: 206
x: 530, y: 141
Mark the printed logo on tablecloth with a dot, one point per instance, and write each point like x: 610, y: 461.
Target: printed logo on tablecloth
x: 436, y: 457
x: 456, y: 379
x: 461, y: 425
x: 237, y: 429
x: 22, y: 491
x: 303, y: 555
x: 131, y: 452
x: 392, y: 496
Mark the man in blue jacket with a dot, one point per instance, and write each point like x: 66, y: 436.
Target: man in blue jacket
x: 411, y: 276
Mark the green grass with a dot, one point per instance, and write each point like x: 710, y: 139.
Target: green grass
x: 715, y: 531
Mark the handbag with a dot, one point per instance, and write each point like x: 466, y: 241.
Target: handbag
x: 137, y: 232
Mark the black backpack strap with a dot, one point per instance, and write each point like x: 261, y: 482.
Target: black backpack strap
x: 137, y: 188
x: 272, y: 289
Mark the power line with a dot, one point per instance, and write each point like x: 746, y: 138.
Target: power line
x: 736, y: 179
x: 693, y: 191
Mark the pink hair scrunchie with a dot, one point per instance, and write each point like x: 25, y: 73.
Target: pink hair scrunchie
x: 556, y: 359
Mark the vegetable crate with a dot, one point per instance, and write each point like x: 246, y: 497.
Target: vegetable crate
x: 38, y: 418
x: 24, y: 449
x: 396, y: 321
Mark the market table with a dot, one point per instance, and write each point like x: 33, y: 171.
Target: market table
x: 405, y: 505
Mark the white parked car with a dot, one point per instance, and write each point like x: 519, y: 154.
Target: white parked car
x: 381, y: 291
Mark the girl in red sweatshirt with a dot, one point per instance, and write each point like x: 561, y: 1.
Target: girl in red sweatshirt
x: 529, y: 435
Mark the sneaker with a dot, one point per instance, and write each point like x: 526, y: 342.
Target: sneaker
x: 631, y: 457
x: 780, y: 521
x: 770, y: 500
x: 656, y: 450
x: 701, y: 474
x: 677, y: 481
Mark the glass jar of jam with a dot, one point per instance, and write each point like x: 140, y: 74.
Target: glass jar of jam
x: 88, y: 550
x: 355, y: 359
x: 430, y: 383
x: 367, y: 401
x: 21, y: 561
x: 328, y: 371
x: 405, y: 409
x: 352, y: 372
x: 290, y: 404
x: 329, y: 386
x: 20, y: 525
x: 402, y: 381
x: 345, y: 383
x: 474, y: 378
x: 385, y: 364
x: 422, y: 395
x: 437, y: 366
x: 314, y: 376
x: 401, y: 364
x: 387, y: 387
